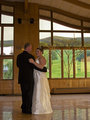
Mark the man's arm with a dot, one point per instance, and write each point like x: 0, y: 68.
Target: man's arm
x: 41, y: 70
x: 19, y: 61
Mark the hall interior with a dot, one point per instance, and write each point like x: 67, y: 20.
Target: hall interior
x: 62, y: 28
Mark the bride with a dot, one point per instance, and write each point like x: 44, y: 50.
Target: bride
x: 41, y: 96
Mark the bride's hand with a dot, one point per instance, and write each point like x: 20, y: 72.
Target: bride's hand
x: 31, y: 61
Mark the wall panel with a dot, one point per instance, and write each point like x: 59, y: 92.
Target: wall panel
x: 24, y: 32
x: 6, y: 87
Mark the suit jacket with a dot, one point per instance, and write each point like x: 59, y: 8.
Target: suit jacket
x: 26, y: 69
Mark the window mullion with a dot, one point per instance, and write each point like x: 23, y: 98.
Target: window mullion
x: 2, y: 32
x: 51, y: 28
x: 82, y: 34
x: 0, y: 14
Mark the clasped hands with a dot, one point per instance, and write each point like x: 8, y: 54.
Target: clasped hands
x: 31, y: 61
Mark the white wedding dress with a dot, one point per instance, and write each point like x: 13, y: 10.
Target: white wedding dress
x: 41, y: 96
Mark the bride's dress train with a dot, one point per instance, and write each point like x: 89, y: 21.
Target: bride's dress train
x: 41, y: 96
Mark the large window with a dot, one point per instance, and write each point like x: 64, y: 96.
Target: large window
x: 68, y: 63
x: 45, y: 39
x: 8, y: 37
x: 56, y: 63
x: 64, y: 39
x: 7, y: 68
x: 6, y: 42
x: 88, y: 63
x: 79, y: 64
x: 46, y: 55
x: 66, y: 48
x: 87, y: 39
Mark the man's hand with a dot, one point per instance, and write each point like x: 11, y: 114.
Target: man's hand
x: 31, y: 61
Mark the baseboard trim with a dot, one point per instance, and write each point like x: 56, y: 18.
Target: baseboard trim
x: 70, y: 90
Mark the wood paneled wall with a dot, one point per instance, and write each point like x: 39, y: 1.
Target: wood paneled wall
x: 79, y: 83
x: 27, y: 32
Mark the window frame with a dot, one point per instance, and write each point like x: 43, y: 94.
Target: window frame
x: 63, y: 48
x: 2, y: 57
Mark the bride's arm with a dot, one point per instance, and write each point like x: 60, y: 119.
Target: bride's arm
x: 42, y: 62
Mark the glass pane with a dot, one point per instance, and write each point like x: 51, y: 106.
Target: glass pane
x: 8, y: 40
x: 7, y: 69
x: 57, y: 115
x: 87, y: 39
x: 44, y: 24
x: 79, y: 64
x: 6, y: 19
x: 45, y: 38
x: 57, y: 26
x: 88, y: 63
x: 56, y: 63
x: 7, y: 115
x: 6, y: 8
x: 81, y: 114
x: 88, y: 113
x: 69, y: 114
x: 67, y: 39
x: 68, y: 63
x: 46, y: 55
x: 0, y: 40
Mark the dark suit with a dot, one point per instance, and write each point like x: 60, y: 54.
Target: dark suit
x: 26, y: 79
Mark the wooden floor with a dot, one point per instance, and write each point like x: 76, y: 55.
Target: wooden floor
x: 65, y: 107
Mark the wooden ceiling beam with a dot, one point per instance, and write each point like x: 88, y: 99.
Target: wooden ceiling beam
x: 26, y: 5
x: 79, y: 3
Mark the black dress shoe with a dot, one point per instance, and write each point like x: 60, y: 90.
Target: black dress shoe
x: 26, y: 112
x: 23, y: 111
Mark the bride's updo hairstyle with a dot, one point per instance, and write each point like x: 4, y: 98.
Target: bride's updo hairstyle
x: 41, y: 49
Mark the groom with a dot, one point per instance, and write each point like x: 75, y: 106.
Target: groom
x: 26, y: 78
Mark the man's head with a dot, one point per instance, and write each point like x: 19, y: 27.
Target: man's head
x: 28, y: 47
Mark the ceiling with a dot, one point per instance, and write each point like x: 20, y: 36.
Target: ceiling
x: 85, y: 1
x: 77, y: 7
x: 70, y: 11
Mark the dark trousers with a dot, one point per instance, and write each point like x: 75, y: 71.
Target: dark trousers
x: 27, y: 94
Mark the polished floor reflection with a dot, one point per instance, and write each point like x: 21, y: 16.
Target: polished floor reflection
x: 65, y: 107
